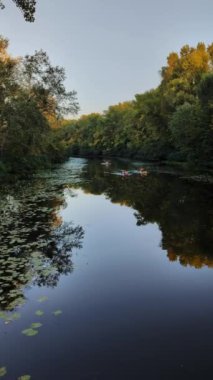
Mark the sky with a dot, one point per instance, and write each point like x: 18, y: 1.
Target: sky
x: 111, y: 49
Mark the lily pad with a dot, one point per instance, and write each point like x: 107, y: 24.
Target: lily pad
x: 15, y: 316
x: 57, y: 313
x: 36, y: 325
x: 39, y: 313
x: 3, y: 371
x: 3, y: 315
x: 30, y: 332
x: 43, y: 299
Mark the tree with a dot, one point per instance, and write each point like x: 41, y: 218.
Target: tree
x: 8, y: 88
x: 151, y: 135
x: 205, y: 90
x: 191, y: 63
x: 27, y: 132
x: 188, y: 131
x: 44, y: 84
x: 33, y: 98
x: 182, y: 75
x: 27, y: 7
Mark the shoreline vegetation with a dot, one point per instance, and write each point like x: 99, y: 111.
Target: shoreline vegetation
x: 172, y: 124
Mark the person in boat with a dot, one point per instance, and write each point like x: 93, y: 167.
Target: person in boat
x: 106, y: 163
x: 125, y: 173
x: 143, y: 171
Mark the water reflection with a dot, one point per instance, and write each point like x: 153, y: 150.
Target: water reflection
x: 182, y: 209
x: 35, y: 244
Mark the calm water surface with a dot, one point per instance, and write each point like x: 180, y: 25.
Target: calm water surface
x: 118, y: 272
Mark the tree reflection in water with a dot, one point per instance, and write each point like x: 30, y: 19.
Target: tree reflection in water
x: 36, y: 246
x: 182, y: 209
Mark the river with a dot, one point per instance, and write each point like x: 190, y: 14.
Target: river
x: 105, y: 276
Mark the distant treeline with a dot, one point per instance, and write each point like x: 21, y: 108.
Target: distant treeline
x: 33, y: 101
x: 172, y: 122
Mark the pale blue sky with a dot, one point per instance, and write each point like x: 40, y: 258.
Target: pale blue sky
x: 111, y: 49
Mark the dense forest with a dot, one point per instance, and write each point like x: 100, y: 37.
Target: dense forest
x: 173, y: 122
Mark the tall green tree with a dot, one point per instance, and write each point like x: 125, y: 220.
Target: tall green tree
x: 33, y: 99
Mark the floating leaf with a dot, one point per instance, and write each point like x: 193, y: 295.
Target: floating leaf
x: 30, y: 332
x: 36, y: 325
x: 15, y: 316
x: 24, y: 377
x: 3, y: 315
x: 57, y: 312
x: 43, y: 299
x: 39, y: 313
x: 3, y: 371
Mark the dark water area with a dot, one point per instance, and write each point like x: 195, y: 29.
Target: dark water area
x: 104, y: 276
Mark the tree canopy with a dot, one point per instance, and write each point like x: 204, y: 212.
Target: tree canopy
x: 33, y: 100
x: 172, y: 122
x: 27, y: 7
